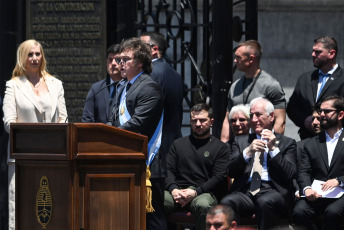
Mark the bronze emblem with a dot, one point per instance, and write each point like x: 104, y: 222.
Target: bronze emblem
x: 44, y: 203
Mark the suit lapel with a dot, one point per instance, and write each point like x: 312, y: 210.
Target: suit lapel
x: 329, y: 82
x: 53, y: 94
x: 322, y: 148
x: 105, y: 95
x: 250, y: 139
x: 136, y: 83
x: 314, y: 82
x: 26, y: 89
x: 338, y: 150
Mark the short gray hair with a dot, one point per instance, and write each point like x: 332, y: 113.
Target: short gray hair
x: 244, y: 109
x: 269, y: 107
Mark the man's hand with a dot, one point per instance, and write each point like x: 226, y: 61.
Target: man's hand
x: 178, y: 197
x: 311, y: 195
x: 332, y: 183
x: 256, y: 146
x: 270, y: 137
x: 189, y: 195
x: 184, y: 196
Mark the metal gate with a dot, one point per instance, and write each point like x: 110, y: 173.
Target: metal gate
x: 200, y: 35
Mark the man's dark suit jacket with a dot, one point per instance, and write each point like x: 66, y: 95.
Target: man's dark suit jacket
x: 144, y: 103
x: 314, y: 161
x: 96, y: 107
x: 302, y: 100
x: 171, y: 84
x: 282, y: 168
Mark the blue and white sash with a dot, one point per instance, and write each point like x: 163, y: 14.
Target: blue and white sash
x: 155, y: 142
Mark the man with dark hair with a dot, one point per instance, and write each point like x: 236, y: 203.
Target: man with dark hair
x: 196, y: 168
x: 138, y: 108
x: 312, y: 87
x: 99, y: 96
x: 172, y: 86
x: 262, y: 165
x: 323, y: 159
x: 255, y: 83
x: 220, y: 217
x: 300, y: 144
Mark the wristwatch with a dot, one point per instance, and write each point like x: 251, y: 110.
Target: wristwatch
x: 338, y: 180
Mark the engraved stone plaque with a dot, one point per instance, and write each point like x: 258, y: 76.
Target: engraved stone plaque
x: 73, y: 35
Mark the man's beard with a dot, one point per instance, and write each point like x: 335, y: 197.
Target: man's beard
x: 202, y: 134
x: 326, y: 123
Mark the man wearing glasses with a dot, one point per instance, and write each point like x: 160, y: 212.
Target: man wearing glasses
x: 262, y: 165
x: 100, y: 95
x: 138, y: 108
x: 322, y: 159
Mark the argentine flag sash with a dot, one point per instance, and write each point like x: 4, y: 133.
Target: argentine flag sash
x: 155, y: 142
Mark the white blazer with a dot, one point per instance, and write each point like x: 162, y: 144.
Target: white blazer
x: 20, y: 103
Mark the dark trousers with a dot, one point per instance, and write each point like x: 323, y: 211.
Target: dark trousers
x: 305, y: 212
x: 157, y: 219
x: 268, y: 205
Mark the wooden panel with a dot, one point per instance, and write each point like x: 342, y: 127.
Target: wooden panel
x: 109, y: 201
x: 101, y: 141
x: 39, y: 141
x: 28, y: 176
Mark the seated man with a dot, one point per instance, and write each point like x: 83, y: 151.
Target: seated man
x: 196, y: 168
x: 323, y: 159
x: 220, y: 217
x: 316, y: 129
x: 263, y: 165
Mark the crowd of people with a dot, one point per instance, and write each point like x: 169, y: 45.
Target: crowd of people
x: 253, y: 170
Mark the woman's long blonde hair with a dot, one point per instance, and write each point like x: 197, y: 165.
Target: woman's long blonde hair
x: 22, y: 55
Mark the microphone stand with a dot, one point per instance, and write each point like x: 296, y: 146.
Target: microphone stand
x: 203, y: 84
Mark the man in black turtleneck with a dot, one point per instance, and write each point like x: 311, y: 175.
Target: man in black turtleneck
x: 196, y: 168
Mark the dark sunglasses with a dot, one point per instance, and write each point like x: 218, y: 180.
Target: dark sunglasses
x: 326, y: 111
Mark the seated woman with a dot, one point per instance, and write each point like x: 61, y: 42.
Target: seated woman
x: 239, y: 118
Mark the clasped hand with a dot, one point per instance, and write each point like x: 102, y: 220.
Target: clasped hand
x: 268, y: 140
x: 183, y: 196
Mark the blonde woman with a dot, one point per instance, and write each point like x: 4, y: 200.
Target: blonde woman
x: 32, y: 95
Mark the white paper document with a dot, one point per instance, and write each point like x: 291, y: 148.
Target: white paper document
x: 331, y: 193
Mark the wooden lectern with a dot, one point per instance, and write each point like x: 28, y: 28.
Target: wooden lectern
x: 78, y: 176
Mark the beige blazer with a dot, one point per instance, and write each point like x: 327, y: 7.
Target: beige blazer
x: 20, y: 103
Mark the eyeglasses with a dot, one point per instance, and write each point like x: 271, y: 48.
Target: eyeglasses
x: 241, y: 120
x: 123, y: 60
x: 326, y: 111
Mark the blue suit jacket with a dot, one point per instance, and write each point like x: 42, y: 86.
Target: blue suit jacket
x: 97, y: 103
x: 171, y: 84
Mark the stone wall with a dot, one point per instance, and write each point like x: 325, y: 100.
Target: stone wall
x: 286, y: 30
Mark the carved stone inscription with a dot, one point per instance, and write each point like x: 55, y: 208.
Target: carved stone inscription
x: 73, y: 34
